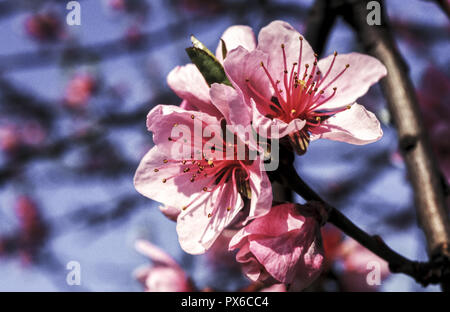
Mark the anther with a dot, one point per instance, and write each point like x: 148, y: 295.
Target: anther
x: 164, y: 180
x: 347, y: 65
x: 165, y: 161
x: 205, y: 189
x: 192, y: 116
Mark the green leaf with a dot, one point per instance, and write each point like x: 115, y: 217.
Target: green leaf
x: 224, y: 49
x: 207, y: 63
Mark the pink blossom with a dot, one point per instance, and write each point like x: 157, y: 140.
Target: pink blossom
x: 358, y: 263
x: 281, y: 246
x: 284, y: 84
x: 165, y: 275
x: 9, y: 138
x: 44, y: 27
x: 79, y: 90
x: 208, y: 192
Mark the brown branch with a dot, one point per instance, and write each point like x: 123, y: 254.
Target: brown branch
x: 413, y: 141
x: 425, y: 273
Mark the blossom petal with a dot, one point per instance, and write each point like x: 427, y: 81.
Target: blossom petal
x: 270, y: 39
x: 235, y: 36
x: 230, y: 104
x: 243, y: 68
x: 261, y: 200
x: 175, y: 192
x: 157, y: 255
x: 363, y: 72
x: 188, y: 83
x: 169, y: 122
x: 203, y: 221
x: 355, y: 125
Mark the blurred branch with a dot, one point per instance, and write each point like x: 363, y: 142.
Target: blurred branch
x: 444, y: 5
x: 319, y: 23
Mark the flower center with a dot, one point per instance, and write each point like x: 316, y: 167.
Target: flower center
x: 301, y: 95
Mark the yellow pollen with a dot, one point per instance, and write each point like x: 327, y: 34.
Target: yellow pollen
x: 184, y: 162
x: 302, y: 83
x: 293, y: 111
x: 348, y: 106
x: 175, y: 124
x: 210, y: 162
x: 318, y: 118
x: 228, y: 208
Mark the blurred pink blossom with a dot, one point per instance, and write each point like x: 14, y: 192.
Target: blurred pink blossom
x: 358, y: 263
x: 44, y: 27
x: 79, y: 90
x: 165, y: 275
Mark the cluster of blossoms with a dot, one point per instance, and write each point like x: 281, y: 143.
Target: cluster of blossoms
x: 279, y: 88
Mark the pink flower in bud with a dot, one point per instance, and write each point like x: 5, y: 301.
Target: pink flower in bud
x: 282, y: 246
x: 44, y: 26
x: 284, y: 84
x: 9, y: 138
x: 332, y: 239
x: 79, y: 90
x: 133, y: 36
x: 117, y: 5
x: 170, y: 212
x: 363, y: 270
x: 165, y: 275
x: 33, y: 231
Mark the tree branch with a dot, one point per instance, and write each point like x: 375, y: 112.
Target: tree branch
x: 425, y: 273
x: 413, y: 140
